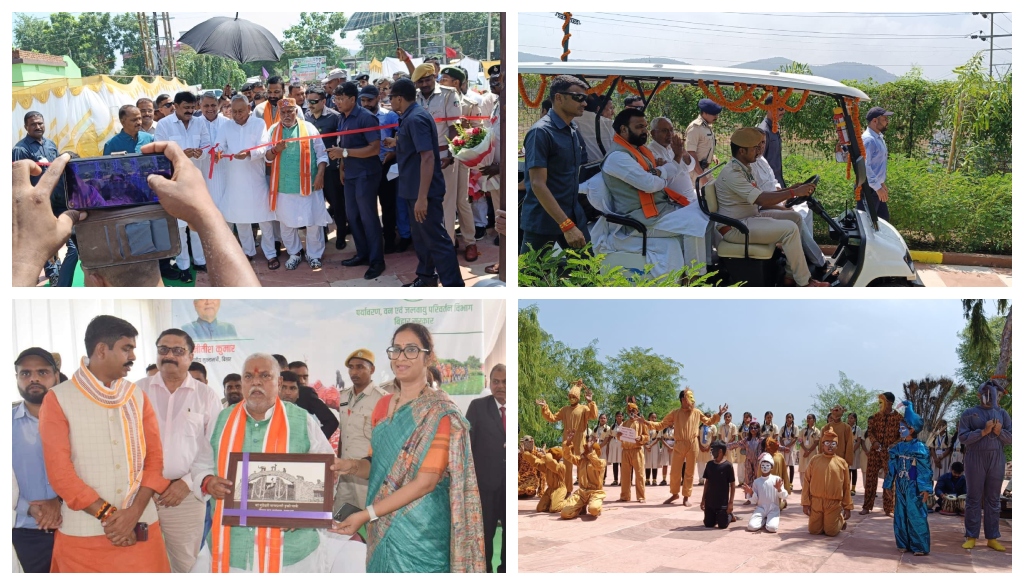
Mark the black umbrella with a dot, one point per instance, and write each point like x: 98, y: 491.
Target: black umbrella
x: 361, y: 20
x: 231, y: 38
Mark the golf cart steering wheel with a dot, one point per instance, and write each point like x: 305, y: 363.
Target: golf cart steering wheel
x: 798, y: 200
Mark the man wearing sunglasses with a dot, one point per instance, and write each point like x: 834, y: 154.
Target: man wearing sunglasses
x: 164, y: 107
x: 187, y: 410
x: 551, y: 212
x: 326, y: 120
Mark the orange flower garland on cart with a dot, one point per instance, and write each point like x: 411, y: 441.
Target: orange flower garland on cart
x: 599, y: 89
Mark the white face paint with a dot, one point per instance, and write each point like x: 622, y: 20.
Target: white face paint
x: 832, y: 444
x: 766, y: 467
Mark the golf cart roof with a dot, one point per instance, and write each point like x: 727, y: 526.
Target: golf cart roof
x: 689, y: 74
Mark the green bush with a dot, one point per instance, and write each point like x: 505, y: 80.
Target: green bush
x: 932, y: 209
x: 575, y: 268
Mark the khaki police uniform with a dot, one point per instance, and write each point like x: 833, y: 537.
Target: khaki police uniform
x: 442, y: 104
x: 700, y: 138
x: 737, y: 190
x: 354, y: 442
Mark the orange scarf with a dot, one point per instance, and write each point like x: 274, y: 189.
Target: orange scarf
x: 305, y: 163
x: 269, y: 544
x: 646, y: 159
x: 268, y: 118
x: 119, y: 396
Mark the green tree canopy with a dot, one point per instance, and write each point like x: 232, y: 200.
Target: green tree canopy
x: 855, y: 397
x: 91, y: 39
x: 209, y: 71
x: 653, y: 379
x: 316, y: 34
x: 465, y: 32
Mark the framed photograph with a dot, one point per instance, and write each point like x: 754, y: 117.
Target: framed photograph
x: 283, y: 490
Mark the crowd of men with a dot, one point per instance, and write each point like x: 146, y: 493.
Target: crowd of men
x: 142, y: 502
x: 263, y: 185
x: 650, y: 173
x: 952, y: 474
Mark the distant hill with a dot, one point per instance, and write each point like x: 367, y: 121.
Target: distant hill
x: 529, y: 57
x: 836, y: 71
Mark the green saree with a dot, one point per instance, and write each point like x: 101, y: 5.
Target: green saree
x: 442, y: 531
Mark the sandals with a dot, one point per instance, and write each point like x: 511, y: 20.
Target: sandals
x: 273, y: 263
x: 492, y: 269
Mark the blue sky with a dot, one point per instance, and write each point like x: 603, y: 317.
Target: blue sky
x: 723, y: 39
x: 760, y: 355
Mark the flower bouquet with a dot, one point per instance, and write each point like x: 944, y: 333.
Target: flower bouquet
x: 472, y: 147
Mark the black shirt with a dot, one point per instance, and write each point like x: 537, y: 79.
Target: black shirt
x: 717, y: 477
x: 311, y: 403
x: 327, y: 123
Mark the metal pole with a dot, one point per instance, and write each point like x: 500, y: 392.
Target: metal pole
x: 505, y: 164
x: 444, y: 53
x: 991, y: 41
x: 158, y: 62
x: 419, y: 39
x: 488, y: 49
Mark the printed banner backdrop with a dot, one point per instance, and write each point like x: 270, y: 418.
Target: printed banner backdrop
x: 81, y: 114
x: 322, y: 333
x: 307, y: 69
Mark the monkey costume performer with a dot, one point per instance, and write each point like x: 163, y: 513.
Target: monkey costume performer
x: 844, y: 432
x: 550, y: 464
x: 573, y: 417
x: 633, y: 454
x: 686, y: 421
x: 984, y: 430
x: 531, y: 479
x: 591, y: 494
x: 884, y: 432
x: 826, y: 497
x: 779, y: 467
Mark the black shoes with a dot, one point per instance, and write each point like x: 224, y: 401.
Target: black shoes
x: 355, y: 261
x: 374, y: 271
x: 480, y: 233
x: 420, y: 281
x: 404, y: 243
x: 199, y: 267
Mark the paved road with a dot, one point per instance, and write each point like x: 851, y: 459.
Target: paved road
x: 938, y: 275
x: 651, y: 537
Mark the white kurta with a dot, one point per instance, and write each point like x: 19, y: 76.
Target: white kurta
x: 246, y: 198
x: 196, y: 135
x: 293, y: 209
x: 690, y: 220
x: 216, y: 184
x: 766, y: 498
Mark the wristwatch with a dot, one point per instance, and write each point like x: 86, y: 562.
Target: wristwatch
x: 344, y: 153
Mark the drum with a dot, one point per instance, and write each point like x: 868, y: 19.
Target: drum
x: 949, y: 505
x: 961, y: 504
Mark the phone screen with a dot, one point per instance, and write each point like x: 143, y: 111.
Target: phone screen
x: 112, y: 182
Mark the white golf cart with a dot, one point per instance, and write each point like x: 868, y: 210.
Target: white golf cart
x: 869, y: 251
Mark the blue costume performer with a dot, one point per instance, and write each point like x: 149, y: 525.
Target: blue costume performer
x: 984, y: 430
x: 910, y: 473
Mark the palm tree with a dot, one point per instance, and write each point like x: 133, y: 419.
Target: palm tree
x: 933, y: 397
x: 979, y: 335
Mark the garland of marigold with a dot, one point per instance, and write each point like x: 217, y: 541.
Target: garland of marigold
x: 748, y: 101
x: 565, y: 37
x: 533, y: 103
x: 853, y: 106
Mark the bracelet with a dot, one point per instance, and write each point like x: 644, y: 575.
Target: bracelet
x: 103, y: 509
x: 202, y: 486
x: 110, y: 512
x: 373, y: 514
x: 567, y: 225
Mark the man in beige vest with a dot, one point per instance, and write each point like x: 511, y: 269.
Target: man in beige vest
x: 101, y: 445
x: 356, y: 406
x: 187, y: 410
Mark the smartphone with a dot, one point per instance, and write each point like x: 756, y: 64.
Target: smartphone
x: 141, y: 532
x: 345, y: 511
x: 111, y: 182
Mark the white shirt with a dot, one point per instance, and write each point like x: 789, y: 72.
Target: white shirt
x: 764, y: 176
x: 195, y: 136
x: 765, y: 495
x: 681, y: 182
x: 205, y: 465
x: 585, y: 126
x: 622, y: 166
x: 245, y: 197
x: 187, y: 417
x: 212, y: 127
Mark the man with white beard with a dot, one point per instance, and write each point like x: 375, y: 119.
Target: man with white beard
x: 246, y: 199
x: 662, y: 138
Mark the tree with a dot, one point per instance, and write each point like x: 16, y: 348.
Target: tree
x: 465, y: 32
x: 932, y: 398
x: 855, y: 397
x: 89, y: 39
x: 209, y: 71
x: 653, y: 379
x: 316, y: 35
x: 980, y: 355
x: 980, y: 339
